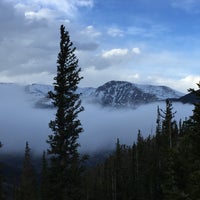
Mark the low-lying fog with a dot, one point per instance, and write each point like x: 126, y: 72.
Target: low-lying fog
x: 20, y: 121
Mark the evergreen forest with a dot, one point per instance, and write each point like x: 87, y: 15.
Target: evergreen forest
x: 163, y: 166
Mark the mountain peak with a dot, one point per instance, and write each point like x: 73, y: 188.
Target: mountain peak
x: 122, y: 94
x: 126, y: 94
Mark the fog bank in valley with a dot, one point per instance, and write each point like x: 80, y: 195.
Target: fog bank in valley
x: 21, y: 121
x: 104, y: 125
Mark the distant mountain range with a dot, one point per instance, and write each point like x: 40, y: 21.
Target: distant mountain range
x: 115, y: 94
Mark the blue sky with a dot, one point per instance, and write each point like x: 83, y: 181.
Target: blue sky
x: 141, y: 41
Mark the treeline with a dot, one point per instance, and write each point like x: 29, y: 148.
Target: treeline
x: 163, y: 166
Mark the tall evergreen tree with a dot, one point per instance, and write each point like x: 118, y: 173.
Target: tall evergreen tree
x: 140, y: 170
x: 168, y: 123
x: 65, y: 159
x: 27, y: 188
x: 1, y: 180
x: 158, y: 122
x: 196, y: 112
x: 117, y: 165
x: 170, y: 186
x: 157, y: 156
x: 194, y: 148
x: 44, y: 187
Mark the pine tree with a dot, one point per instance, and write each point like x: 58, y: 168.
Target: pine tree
x: 117, y: 173
x: 168, y: 123
x: 157, y: 156
x: 170, y: 185
x: 140, y: 170
x: 27, y: 188
x: 133, y: 174
x: 158, y: 122
x: 65, y: 159
x: 196, y: 112
x: 44, y: 188
x: 194, y: 148
x: 1, y: 180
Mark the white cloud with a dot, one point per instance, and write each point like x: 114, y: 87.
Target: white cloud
x: 115, y: 32
x: 85, y: 3
x: 150, y: 30
x: 40, y: 77
x: 40, y: 9
x: 190, y: 81
x: 41, y: 14
x: 95, y: 77
x: 115, y: 52
x: 133, y: 30
x: 116, y: 58
x: 181, y: 84
x: 136, y: 50
x: 187, y: 5
x: 132, y: 77
x: 31, y: 48
x: 91, y: 32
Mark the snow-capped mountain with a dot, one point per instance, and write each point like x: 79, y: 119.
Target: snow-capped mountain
x: 112, y: 93
x: 122, y: 94
x: 126, y: 94
x: 161, y: 92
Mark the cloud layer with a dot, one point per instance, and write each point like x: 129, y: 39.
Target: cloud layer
x: 21, y: 122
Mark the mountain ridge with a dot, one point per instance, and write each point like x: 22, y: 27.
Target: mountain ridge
x: 117, y: 94
x: 112, y: 94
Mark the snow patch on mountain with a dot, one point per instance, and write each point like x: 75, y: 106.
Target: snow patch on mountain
x: 161, y: 92
x: 122, y: 94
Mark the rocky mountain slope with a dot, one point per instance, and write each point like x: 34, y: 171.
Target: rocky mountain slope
x: 126, y: 94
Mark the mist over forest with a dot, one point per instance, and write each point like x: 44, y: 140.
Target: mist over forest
x: 21, y: 121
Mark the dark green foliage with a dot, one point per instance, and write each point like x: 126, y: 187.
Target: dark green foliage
x: 44, y: 187
x: 65, y: 166
x: 192, y: 141
x: 169, y: 184
x: 2, y: 194
x: 196, y: 111
x: 163, y: 167
x: 168, y: 125
x: 27, y: 188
